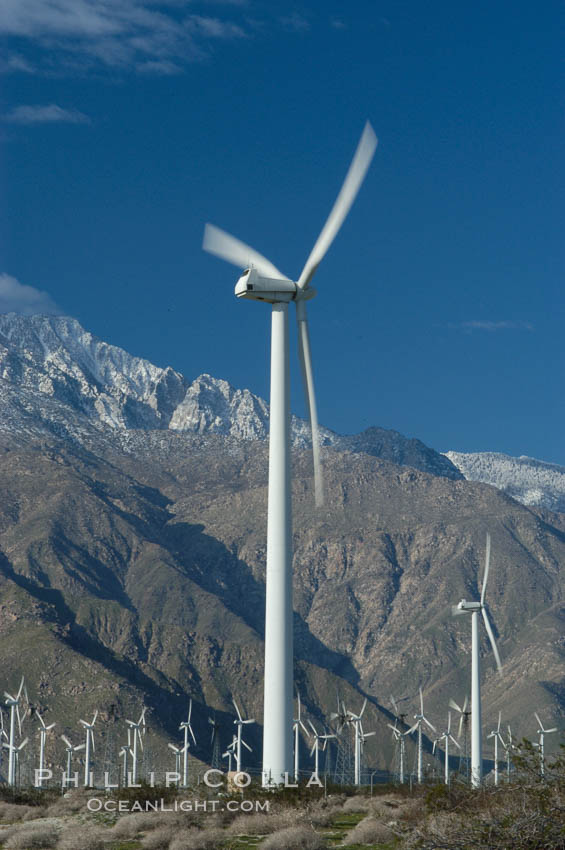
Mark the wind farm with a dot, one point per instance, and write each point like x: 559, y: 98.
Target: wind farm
x: 281, y: 566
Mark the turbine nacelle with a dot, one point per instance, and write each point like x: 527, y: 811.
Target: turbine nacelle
x: 257, y: 287
x: 464, y: 606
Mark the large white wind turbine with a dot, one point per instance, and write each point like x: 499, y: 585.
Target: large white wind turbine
x: 89, y: 744
x: 262, y: 281
x: 474, y: 608
x: 185, y: 725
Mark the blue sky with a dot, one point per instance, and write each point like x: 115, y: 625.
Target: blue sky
x: 126, y: 125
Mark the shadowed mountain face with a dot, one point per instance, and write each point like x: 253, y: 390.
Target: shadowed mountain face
x: 129, y: 578
x: 132, y: 561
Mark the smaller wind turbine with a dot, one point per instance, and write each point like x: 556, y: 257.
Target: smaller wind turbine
x: 341, y: 716
x: 239, y: 723
x: 70, y: 750
x: 185, y: 725
x: 296, y: 727
x: 474, y: 608
x: 542, y: 733
x: 14, y: 705
x: 229, y: 753
x: 360, y: 738
x: 215, y: 741
x: 125, y: 751
x: 420, y: 719
x: 137, y: 731
x: 316, y: 747
x: 446, y: 737
x: 508, y: 747
x: 497, y: 737
x: 464, y: 714
x: 89, y: 744
x: 42, y: 736
x: 399, y: 737
x: 178, y: 751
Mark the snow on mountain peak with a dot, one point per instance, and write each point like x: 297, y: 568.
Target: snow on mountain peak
x: 532, y: 482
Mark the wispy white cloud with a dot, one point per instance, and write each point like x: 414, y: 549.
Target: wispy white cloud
x: 338, y: 24
x: 16, y: 297
x: 48, y: 114
x: 157, y: 36
x: 488, y: 325
x: 15, y: 63
x: 295, y: 22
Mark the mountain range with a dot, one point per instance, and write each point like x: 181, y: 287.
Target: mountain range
x: 132, y: 552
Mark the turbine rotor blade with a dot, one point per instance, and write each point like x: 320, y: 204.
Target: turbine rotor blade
x: 421, y: 701
x: 536, y: 715
x: 487, y: 567
x: 363, y: 709
x: 454, y: 705
x: 234, y: 251
x: 305, y: 358
x: 348, y: 192
x: 491, y: 638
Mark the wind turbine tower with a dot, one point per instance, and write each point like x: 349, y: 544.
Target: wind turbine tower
x: 420, y: 719
x: 42, y: 736
x: 70, y: 752
x: 542, y: 733
x: 185, y: 725
x: 262, y: 281
x: 89, y: 745
x: 476, y: 608
x: 239, y: 740
x: 464, y: 715
x: 137, y: 731
x: 14, y: 705
x: 297, y: 726
x: 315, y: 751
x: 446, y: 737
x: 497, y: 737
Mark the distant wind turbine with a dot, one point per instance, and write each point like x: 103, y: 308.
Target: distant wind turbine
x: 446, y: 737
x: 497, y: 737
x: 89, y: 744
x: 297, y: 726
x: 42, y: 736
x: 420, y: 719
x: 476, y: 608
x: 542, y: 733
x: 137, y: 731
x: 14, y: 705
x: 240, y: 742
x: 185, y: 725
x: 316, y: 747
x: 70, y: 750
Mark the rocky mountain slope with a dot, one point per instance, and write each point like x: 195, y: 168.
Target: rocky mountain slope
x: 132, y: 559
